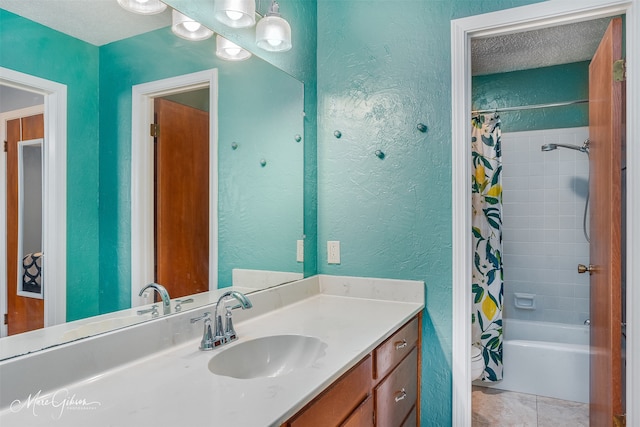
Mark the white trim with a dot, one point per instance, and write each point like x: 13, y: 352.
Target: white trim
x: 142, y: 243
x: 19, y: 261
x: 508, y: 21
x: 54, y: 227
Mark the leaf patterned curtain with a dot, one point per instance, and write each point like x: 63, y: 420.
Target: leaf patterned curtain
x: 487, y: 242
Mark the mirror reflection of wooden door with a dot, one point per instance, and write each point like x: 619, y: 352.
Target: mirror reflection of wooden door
x: 181, y: 198
x: 606, y: 131
x: 23, y: 313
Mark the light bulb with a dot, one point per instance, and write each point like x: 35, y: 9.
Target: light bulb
x: 232, y: 51
x: 233, y: 15
x: 274, y: 42
x: 191, y: 26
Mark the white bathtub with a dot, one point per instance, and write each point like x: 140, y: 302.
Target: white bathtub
x: 546, y: 359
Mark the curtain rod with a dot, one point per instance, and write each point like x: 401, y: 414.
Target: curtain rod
x: 531, y: 107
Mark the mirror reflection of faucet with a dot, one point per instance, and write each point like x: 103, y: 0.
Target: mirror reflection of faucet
x: 153, y: 310
x: 220, y: 335
x: 162, y: 291
x: 179, y: 303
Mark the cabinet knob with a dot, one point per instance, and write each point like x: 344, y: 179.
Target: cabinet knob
x: 401, y: 344
x: 400, y: 395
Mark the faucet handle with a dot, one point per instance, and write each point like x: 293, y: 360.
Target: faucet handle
x: 153, y: 310
x: 179, y: 303
x: 229, y: 332
x: 206, y: 316
x: 208, y: 341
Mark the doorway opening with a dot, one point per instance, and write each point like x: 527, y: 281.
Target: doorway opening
x: 152, y: 198
x: 49, y: 121
x: 506, y: 22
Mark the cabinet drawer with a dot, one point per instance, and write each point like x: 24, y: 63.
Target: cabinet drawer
x: 395, y: 348
x: 362, y: 416
x: 412, y: 419
x: 335, y: 404
x: 396, y: 395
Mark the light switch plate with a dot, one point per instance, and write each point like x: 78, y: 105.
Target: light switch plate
x: 300, y: 251
x: 333, y: 252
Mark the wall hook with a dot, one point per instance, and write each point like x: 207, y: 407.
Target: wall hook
x: 379, y: 154
x: 337, y: 134
x: 422, y: 127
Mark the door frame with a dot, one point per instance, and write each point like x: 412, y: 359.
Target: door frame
x: 54, y: 230
x: 507, y: 21
x: 142, y: 174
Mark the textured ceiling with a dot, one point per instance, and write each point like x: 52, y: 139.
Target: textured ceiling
x: 540, y: 48
x: 103, y: 21
x: 95, y: 21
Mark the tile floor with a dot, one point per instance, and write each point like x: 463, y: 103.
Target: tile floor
x: 499, y: 408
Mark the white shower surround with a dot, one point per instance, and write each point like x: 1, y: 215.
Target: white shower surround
x: 544, y: 196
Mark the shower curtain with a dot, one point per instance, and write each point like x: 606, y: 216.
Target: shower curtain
x: 487, y: 242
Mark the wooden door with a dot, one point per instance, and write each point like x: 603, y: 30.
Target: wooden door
x: 605, y: 136
x: 23, y: 314
x: 181, y: 198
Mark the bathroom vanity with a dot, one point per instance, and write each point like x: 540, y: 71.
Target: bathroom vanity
x: 382, y: 389
x: 363, y: 334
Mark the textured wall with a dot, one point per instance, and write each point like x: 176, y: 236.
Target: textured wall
x: 560, y: 83
x: 383, y: 67
x: 260, y: 209
x: 33, y: 49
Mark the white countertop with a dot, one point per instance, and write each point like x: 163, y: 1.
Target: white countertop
x: 175, y: 387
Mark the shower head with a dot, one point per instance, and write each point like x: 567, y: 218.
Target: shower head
x: 551, y: 147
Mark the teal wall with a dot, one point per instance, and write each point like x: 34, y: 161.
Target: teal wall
x: 545, y: 85
x: 260, y: 208
x: 384, y: 67
x: 99, y: 84
x: 33, y: 49
x: 301, y: 63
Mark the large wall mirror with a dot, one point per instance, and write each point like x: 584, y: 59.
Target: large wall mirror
x: 259, y: 149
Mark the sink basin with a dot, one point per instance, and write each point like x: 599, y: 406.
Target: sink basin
x: 270, y: 356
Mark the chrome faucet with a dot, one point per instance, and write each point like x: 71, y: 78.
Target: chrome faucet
x: 212, y: 339
x: 228, y: 334
x: 162, y: 291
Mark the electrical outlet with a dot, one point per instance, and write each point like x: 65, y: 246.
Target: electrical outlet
x: 333, y: 252
x: 300, y: 251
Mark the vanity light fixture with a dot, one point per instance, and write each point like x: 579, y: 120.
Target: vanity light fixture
x: 273, y: 33
x: 230, y: 51
x: 235, y: 13
x: 143, y: 7
x: 188, y: 29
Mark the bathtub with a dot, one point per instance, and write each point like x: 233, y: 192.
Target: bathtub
x: 545, y: 359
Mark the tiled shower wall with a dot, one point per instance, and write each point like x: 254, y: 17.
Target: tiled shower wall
x: 544, y: 196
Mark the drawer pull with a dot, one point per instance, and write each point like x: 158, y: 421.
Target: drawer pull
x: 400, y: 395
x: 401, y: 344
